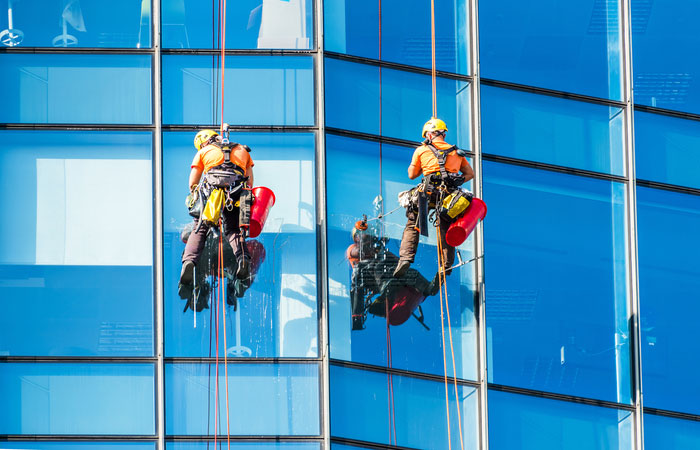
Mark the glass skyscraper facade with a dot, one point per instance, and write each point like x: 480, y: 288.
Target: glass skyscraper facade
x: 571, y: 324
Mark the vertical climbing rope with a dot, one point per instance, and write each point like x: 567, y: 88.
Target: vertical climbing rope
x: 222, y: 284
x: 223, y: 58
x: 432, y: 54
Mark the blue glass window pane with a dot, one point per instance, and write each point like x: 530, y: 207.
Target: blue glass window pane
x: 556, y: 309
x: 278, y: 316
x: 352, y: 27
x: 250, y: 24
x: 76, y: 276
x: 413, y: 347
x: 552, y: 130
x: 86, y: 23
x: 667, y: 149
x: 353, y: 95
x: 524, y: 422
x: 259, y: 90
x: 662, y: 433
x: 664, y: 34
x: 244, y: 445
x: 566, y: 46
x: 39, y: 445
x: 92, y: 89
x: 669, y: 282
x: 264, y: 399
x: 58, y: 398
x: 360, y: 410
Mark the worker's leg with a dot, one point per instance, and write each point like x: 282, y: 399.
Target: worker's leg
x: 448, y: 252
x: 195, y: 242
x: 409, y: 243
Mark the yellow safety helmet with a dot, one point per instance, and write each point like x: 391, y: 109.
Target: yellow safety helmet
x: 203, y: 137
x: 434, y: 124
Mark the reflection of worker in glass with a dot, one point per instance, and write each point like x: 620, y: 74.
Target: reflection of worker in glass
x: 444, y: 169
x: 372, y: 283
x: 229, y: 168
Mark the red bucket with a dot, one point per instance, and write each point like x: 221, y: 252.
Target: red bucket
x: 460, y: 230
x: 264, y: 199
x: 407, y: 300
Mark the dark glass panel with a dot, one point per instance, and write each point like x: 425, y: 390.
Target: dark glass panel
x: 75, y: 399
x: 556, y: 308
x: 669, y: 282
x: 91, y: 89
x: 76, y: 245
x: 264, y: 399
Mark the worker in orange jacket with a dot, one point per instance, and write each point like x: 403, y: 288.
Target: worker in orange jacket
x: 444, y: 169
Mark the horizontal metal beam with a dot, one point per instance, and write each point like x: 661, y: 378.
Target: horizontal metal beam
x: 561, y: 397
x: 204, y: 360
x: 669, y: 187
x: 551, y: 92
x: 77, y: 359
x: 366, y: 444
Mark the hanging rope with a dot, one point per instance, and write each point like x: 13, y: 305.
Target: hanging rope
x: 222, y: 284
x: 432, y: 54
x: 222, y: 33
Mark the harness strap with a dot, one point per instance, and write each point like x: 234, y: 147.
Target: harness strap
x: 441, y: 156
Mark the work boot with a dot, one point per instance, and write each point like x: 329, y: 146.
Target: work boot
x: 187, y: 273
x: 401, y: 268
x: 243, y: 271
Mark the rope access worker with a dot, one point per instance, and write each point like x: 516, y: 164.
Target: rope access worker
x: 228, y: 167
x: 444, y: 169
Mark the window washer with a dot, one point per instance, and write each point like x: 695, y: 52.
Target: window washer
x: 228, y: 168
x: 444, y: 169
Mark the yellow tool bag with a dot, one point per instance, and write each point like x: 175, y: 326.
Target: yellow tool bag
x: 455, y: 204
x: 212, y: 210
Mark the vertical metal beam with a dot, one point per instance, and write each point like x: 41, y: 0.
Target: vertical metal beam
x: 321, y: 227
x: 475, y: 71
x: 631, y: 220
x: 158, y: 222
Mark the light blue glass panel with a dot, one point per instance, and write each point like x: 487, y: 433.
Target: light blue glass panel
x: 413, y: 347
x: 92, y: 89
x: 39, y: 445
x: 96, y: 398
x: 352, y: 27
x: 664, y: 34
x: 76, y: 245
x: 278, y: 316
x: 556, y: 309
x: 264, y: 399
x: 360, y: 410
x: 243, y: 445
x: 524, y: 422
x: 669, y: 282
x: 250, y: 24
x: 567, y: 46
x: 661, y: 433
x: 259, y: 90
x: 85, y: 23
x: 353, y: 96
x: 667, y: 149
x: 552, y: 130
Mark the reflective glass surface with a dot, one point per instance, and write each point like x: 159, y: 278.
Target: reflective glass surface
x: 244, y: 445
x: 667, y: 149
x: 552, y: 130
x: 661, y: 433
x: 353, y: 94
x: 259, y: 90
x: 524, y: 422
x: 664, y: 34
x: 556, y: 309
x: 669, y: 282
x: 85, y: 23
x: 360, y: 405
x: 277, y: 316
x: 92, y: 89
x: 413, y: 346
x: 352, y: 27
x: 97, y: 398
x: 76, y: 245
x: 567, y: 46
x: 38, y: 445
x: 264, y: 399
x: 250, y: 24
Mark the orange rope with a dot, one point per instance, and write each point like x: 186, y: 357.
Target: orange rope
x: 444, y: 355
x: 223, y: 309
x: 432, y: 49
x: 443, y: 284
x: 223, y: 59
x: 216, y: 390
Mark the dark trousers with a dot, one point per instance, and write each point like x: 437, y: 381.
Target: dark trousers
x: 409, y: 240
x: 232, y: 232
